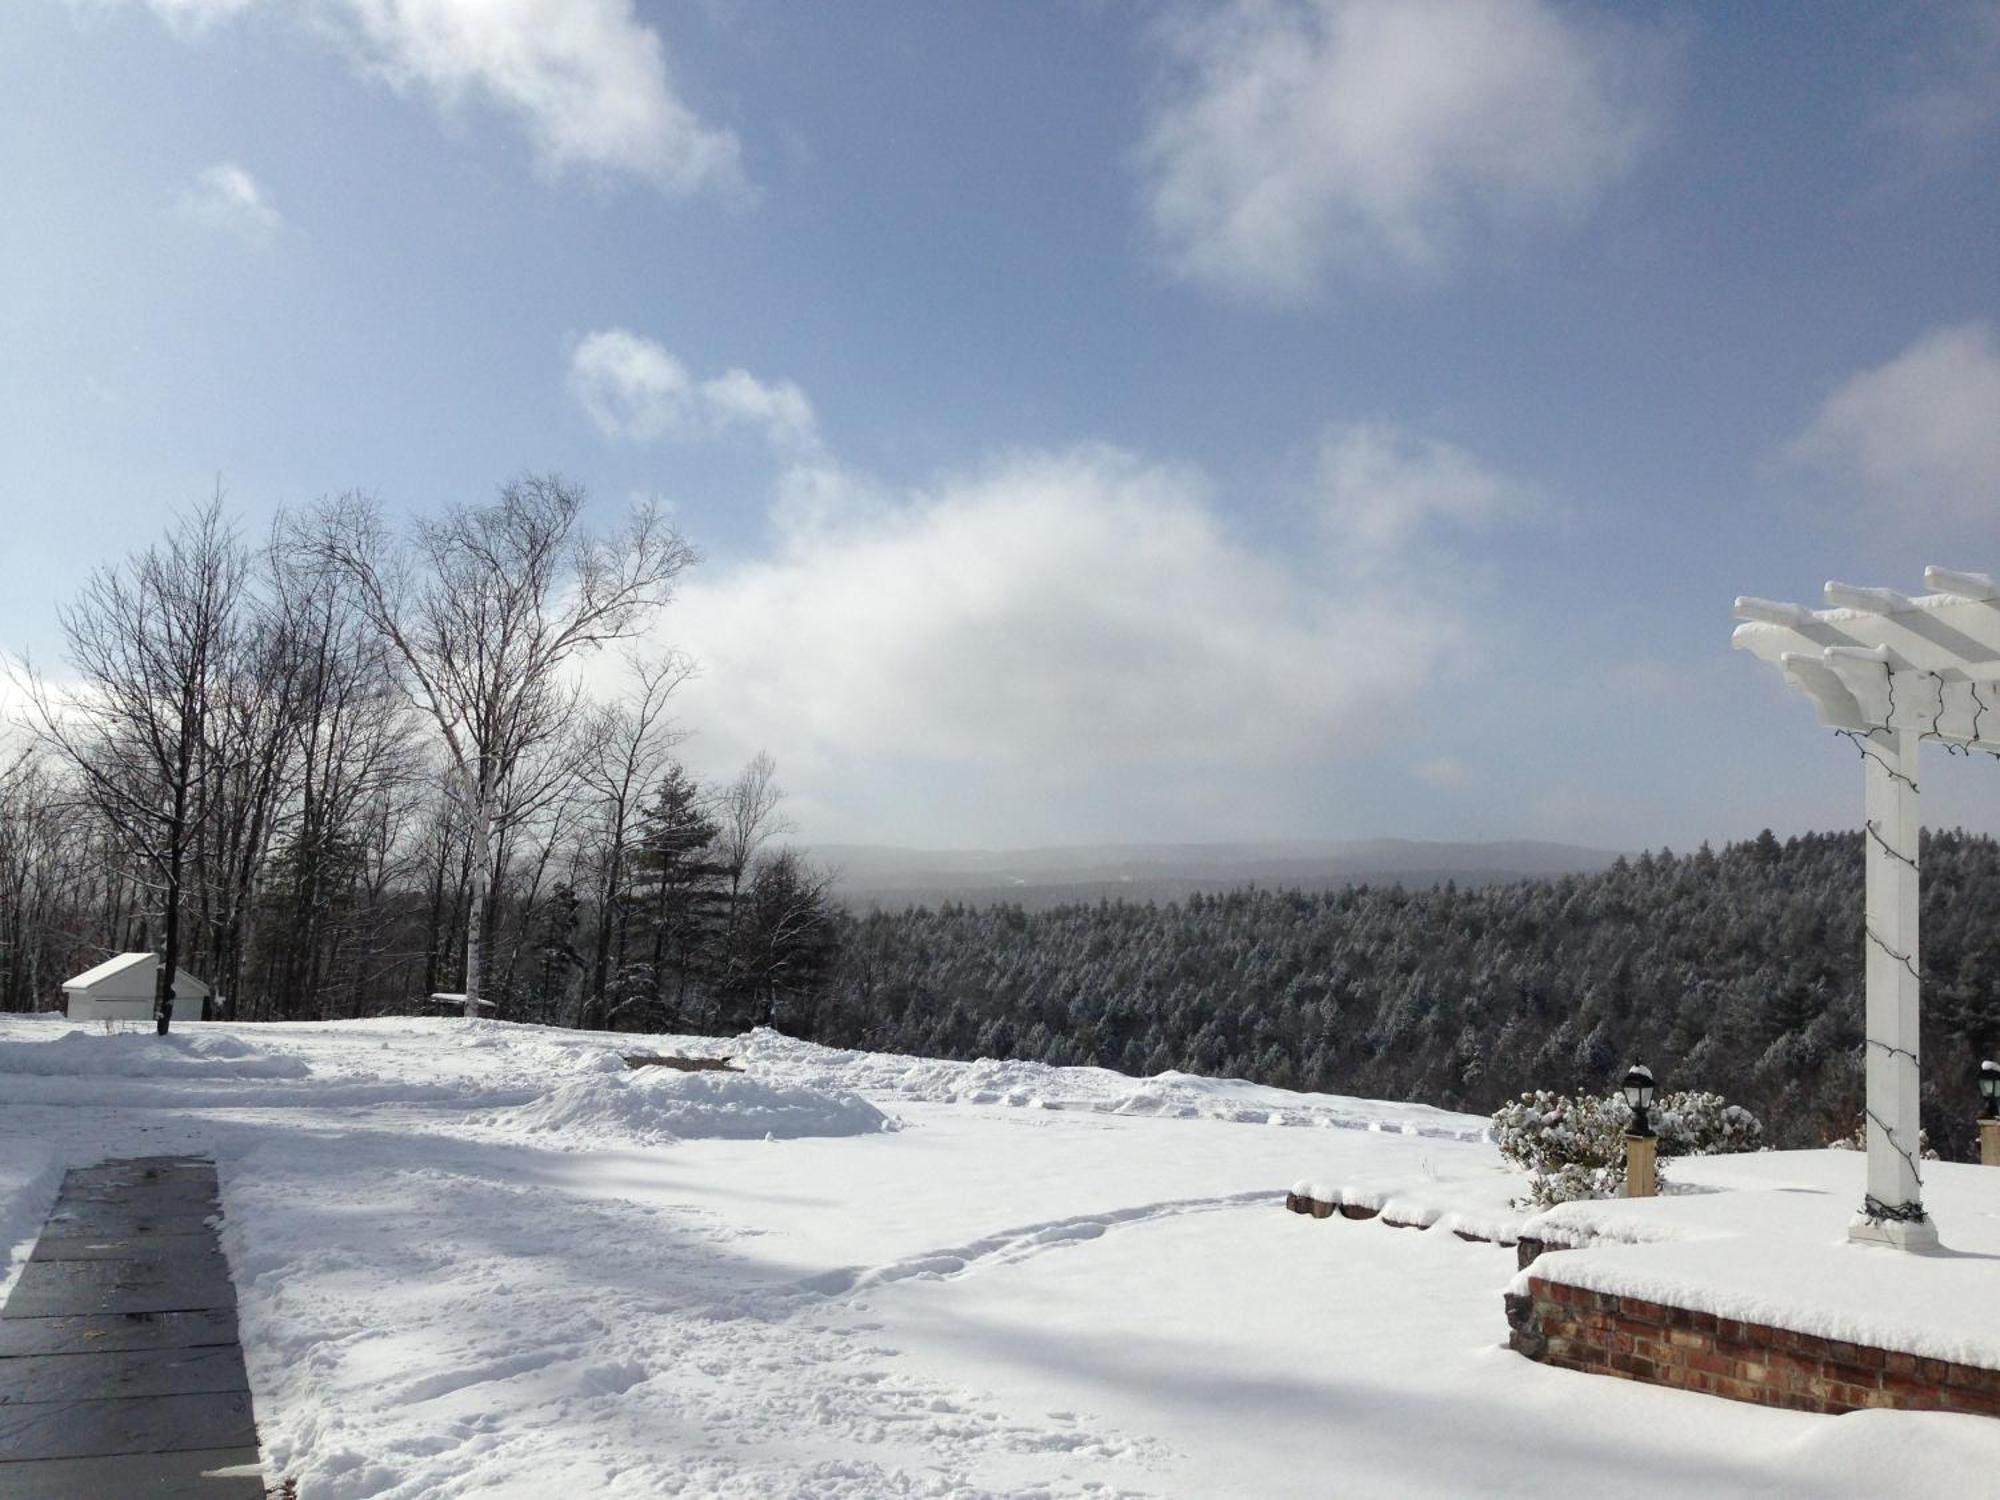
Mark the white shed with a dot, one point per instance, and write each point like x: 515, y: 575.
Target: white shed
x: 121, y: 989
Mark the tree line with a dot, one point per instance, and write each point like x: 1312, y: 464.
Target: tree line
x: 349, y: 767
x: 1736, y: 971
x: 346, y: 768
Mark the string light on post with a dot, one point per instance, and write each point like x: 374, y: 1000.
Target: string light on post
x: 1989, y: 1116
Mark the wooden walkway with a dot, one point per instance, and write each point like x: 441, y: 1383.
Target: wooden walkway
x: 120, y: 1374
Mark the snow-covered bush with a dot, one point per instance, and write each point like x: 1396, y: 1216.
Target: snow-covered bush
x: 1857, y: 1139
x: 1574, y: 1146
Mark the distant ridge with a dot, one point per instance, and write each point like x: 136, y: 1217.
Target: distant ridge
x: 875, y: 876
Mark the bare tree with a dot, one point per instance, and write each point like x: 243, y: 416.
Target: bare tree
x: 750, y: 817
x: 485, y: 609
x: 46, y: 857
x: 631, y: 740
x: 348, y: 769
x: 150, y: 643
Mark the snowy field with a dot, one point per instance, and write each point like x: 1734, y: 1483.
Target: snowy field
x: 479, y: 1259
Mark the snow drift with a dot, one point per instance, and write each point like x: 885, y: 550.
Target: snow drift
x: 1039, y: 1085
x: 179, y: 1055
x: 658, y: 1106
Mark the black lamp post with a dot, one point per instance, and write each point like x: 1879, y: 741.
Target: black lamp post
x: 1989, y: 1089
x: 1639, y: 1094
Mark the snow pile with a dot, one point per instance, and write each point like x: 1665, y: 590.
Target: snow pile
x: 1036, y: 1085
x: 180, y: 1055
x: 28, y: 1176
x: 658, y: 1106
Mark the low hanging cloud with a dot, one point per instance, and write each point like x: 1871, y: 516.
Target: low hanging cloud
x: 635, y: 389
x: 1916, y: 438
x: 587, y: 80
x: 1296, y: 139
x: 227, y: 198
x: 1083, y: 608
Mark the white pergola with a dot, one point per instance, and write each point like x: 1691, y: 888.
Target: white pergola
x: 1889, y: 671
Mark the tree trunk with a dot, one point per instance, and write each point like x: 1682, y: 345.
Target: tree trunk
x: 475, y: 917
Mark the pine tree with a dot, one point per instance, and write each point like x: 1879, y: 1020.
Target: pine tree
x: 680, y: 889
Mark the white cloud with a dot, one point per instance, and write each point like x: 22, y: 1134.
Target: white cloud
x: 1296, y: 137
x: 1383, y: 487
x: 1953, y: 94
x: 634, y: 388
x: 1918, y: 436
x: 1085, y: 609
x: 197, y: 15
x: 587, y: 79
x: 227, y: 198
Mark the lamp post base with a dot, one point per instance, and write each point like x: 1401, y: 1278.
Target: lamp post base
x: 1641, y: 1153
x: 1989, y: 1143
x: 1898, y: 1234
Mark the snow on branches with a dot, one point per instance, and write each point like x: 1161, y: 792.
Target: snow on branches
x: 1574, y: 1146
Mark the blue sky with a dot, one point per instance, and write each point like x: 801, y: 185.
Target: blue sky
x: 1105, y: 421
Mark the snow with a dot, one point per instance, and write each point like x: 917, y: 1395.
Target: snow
x: 443, y: 1298
x: 658, y: 1106
x: 118, y: 963
x: 141, y: 1054
x: 1036, y: 1085
x: 1763, y: 1238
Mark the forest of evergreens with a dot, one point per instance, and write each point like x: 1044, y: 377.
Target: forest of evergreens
x: 1737, y: 971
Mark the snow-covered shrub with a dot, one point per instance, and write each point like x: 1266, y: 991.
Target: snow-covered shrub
x: 1857, y: 1140
x: 1574, y: 1146
x: 1701, y: 1124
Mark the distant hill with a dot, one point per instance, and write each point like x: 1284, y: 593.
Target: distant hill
x: 878, y: 877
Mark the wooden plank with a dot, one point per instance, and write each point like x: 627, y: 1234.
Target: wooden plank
x: 102, y: 1376
x: 205, y: 1474
x: 54, y: 1288
x: 174, y: 1330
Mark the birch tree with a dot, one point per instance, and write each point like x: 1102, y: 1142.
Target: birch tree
x: 151, y: 645
x: 486, y: 609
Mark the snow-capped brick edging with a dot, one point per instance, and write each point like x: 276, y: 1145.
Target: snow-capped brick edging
x: 1603, y: 1333
x: 1326, y: 1208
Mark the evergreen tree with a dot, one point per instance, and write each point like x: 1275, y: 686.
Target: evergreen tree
x: 680, y: 892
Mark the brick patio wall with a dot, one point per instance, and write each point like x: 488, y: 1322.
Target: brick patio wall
x: 1646, y: 1341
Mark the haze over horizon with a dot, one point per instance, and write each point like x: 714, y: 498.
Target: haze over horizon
x: 1124, y: 424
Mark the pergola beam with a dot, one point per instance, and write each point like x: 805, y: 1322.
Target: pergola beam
x: 1955, y: 635
x: 1975, y: 586
x: 1931, y: 664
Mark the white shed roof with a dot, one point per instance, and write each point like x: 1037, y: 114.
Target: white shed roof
x: 186, y: 986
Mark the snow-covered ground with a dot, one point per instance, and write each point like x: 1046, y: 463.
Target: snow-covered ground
x: 478, y: 1259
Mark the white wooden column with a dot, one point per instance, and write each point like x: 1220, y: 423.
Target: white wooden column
x: 1895, y: 1192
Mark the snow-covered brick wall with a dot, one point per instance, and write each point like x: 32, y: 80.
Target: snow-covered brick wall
x: 1636, y: 1339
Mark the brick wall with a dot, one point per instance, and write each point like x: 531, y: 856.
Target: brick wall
x: 1638, y: 1340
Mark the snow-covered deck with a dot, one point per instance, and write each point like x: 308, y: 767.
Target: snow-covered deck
x: 1763, y: 1239
x: 1758, y: 1239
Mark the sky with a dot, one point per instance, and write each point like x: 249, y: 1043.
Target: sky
x: 1099, y: 422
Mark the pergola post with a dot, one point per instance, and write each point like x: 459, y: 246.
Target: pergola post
x: 1893, y: 1211
x: 1889, y: 671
